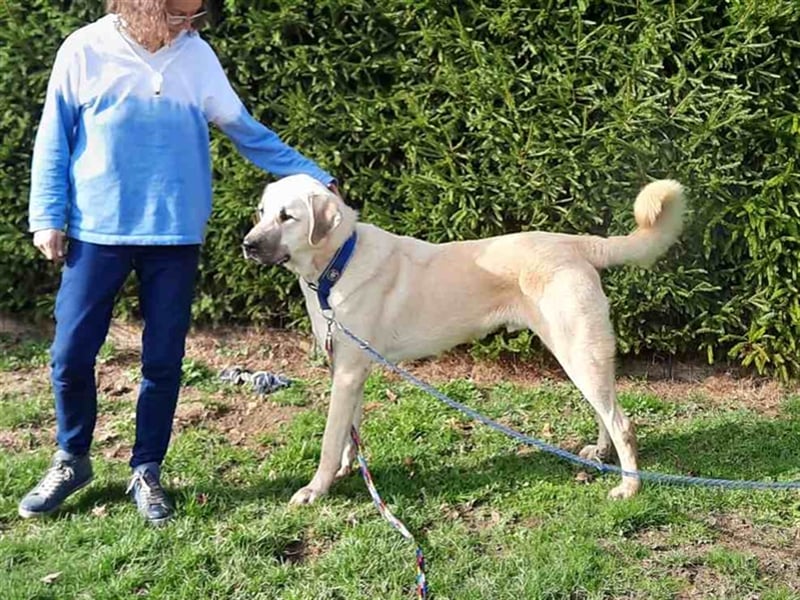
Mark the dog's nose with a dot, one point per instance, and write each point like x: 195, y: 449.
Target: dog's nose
x: 248, y: 247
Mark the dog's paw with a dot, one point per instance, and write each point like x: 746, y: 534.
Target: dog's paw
x: 595, y: 453
x: 626, y: 489
x: 306, y: 495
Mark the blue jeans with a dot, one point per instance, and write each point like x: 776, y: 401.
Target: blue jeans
x: 92, y: 277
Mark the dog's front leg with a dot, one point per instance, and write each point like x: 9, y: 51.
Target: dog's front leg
x: 350, y: 373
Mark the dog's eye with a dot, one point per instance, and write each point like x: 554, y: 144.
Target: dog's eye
x: 283, y: 216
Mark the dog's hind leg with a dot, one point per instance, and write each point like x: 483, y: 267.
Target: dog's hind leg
x: 350, y: 371
x: 601, y: 451
x: 594, y: 376
x: 572, y: 320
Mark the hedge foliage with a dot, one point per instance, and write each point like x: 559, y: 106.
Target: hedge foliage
x: 453, y: 120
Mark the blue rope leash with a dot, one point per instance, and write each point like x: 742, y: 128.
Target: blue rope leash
x: 545, y: 447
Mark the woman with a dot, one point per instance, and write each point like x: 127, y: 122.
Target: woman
x: 121, y: 167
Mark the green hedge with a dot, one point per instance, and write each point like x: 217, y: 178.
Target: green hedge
x: 453, y: 120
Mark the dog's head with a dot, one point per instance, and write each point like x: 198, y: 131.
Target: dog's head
x: 298, y: 217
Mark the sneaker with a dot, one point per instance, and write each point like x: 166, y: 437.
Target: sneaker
x: 150, y: 498
x: 66, y: 475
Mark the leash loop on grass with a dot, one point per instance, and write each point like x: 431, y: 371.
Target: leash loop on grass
x: 666, y: 478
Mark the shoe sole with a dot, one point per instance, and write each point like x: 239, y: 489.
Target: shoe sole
x: 159, y: 522
x: 154, y: 522
x: 32, y: 514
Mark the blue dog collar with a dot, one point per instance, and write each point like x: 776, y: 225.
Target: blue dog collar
x: 333, y: 272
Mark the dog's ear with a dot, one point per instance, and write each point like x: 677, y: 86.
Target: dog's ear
x: 325, y: 217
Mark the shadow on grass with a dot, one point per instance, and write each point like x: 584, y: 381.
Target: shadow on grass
x: 761, y: 450
x: 497, y: 475
x: 82, y: 502
x: 95, y: 495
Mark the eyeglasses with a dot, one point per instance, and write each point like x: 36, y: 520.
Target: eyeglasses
x: 181, y: 20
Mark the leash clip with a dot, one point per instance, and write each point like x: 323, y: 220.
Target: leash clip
x: 328, y: 314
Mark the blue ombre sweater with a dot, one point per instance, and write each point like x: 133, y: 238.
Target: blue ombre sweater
x: 122, y: 150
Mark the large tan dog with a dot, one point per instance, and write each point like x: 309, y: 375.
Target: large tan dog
x: 410, y: 299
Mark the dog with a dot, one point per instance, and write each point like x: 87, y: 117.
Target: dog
x: 412, y: 299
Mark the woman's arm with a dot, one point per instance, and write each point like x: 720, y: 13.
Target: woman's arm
x: 262, y: 146
x: 52, y: 150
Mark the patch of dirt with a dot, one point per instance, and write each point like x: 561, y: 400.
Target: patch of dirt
x: 685, y: 561
x: 258, y: 349
x: 309, y: 546
x: 12, y: 441
x: 777, y: 549
x: 704, y: 582
x: 270, y: 349
x: 21, y: 439
x: 723, y: 390
x: 292, y: 553
x: 25, y: 383
x: 774, y: 548
x: 241, y: 417
x: 244, y: 423
x: 473, y: 514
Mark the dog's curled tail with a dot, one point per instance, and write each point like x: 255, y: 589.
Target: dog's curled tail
x: 658, y: 211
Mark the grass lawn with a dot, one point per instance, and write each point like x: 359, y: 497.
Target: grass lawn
x: 496, y: 520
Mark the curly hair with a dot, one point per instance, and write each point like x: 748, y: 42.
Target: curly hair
x: 145, y: 20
